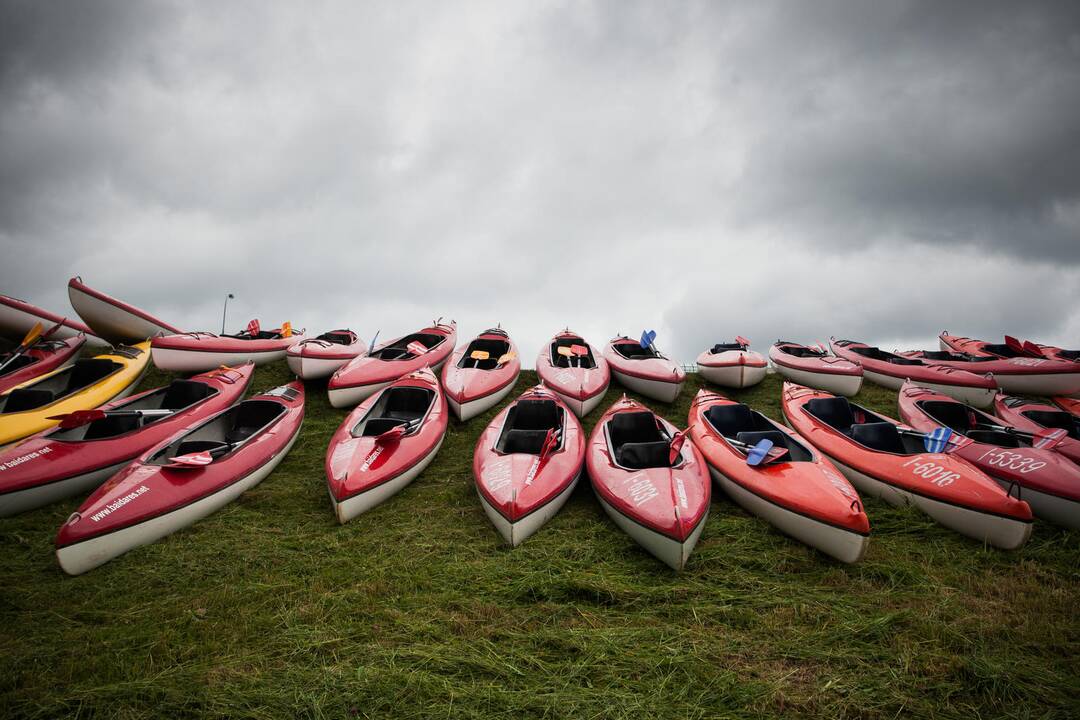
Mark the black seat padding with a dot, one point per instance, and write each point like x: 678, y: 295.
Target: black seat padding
x: 524, y: 441
x: 1056, y: 419
x: 27, y: 399
x: 377, y: 426
x: 730, y: 420
x: 834, y: 411
x: 638, y: 441
x: 952, y: 415
x: 878, y: 435
x: 184, y: 393
x: 407, y: 403
x: 777, y: 438
x: 535, y: 415
x: 87, y: 372
x: 251, y: 416
x: 642, y: 455
x: 112, y: 426
x: 194, y: 446
x: 724, y: 347
x: 994, y: 437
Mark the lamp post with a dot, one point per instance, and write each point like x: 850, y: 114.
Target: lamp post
x: 224, y: 310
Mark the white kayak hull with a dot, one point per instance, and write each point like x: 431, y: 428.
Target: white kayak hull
x: 16, y: 323
x: 733, y: 376
x: 662, y: 390
x: 1051, y: 508
x: 311, y: 368
x: 472, y: 408
x: 668, y: 550
x: 847, y: 385
x: 197, y: 361
x: 581, y: 408
x: 110, y: 320
x: 31, y: 498
x: 975, y: 396
x: 520, y: 530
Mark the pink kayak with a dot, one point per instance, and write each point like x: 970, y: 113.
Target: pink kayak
x: 481, y: 373
x: 1022, y: 371
x: 384, y: 443
x: 891, y: 370
x: 42, y: 357
x: 113, y: 319
x: 60, y: 463
x: 1047, y: 480
x: 321, y: 356
x: 732, y: 364
x: 367, y: 374
x: 659, y: 502
x: 644, y: 370
x: 816, y: 368
x: 527, y: 463
x: 18, y: 317
x: 223, y: 456
x: 574, y: 370
x: 201, y: 351
x: 1035, y: 415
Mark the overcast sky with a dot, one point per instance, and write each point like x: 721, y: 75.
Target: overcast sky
x: 870, y: 170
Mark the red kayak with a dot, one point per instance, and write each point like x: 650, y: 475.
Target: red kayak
x: 1023, y: 370
x: 816, y: 368
x: 660, y: 502
x: 112, y: 319
x: 1069, y: 405
x: 886, y: 460
x: 18, y: 317
x: 201, y: 351
x: 60, y: 463
x: 799, y: 492
x: 527, y: 463
x: 1045, y: 478
x: 890, y: 370
x: 1053, y: 352
x: 385, y: 443
x: 189, y: 476
x: 1035, y: 415
x: 367, y: 374
x: 575, y: 371
x: 42, y: 357
x: 321, y: 356
x: 481, y: 373
x: 732, y: 364
x: 644, y: 369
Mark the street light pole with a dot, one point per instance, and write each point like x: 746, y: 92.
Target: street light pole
x: 224, y: 310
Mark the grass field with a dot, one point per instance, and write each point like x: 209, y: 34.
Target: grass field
x: 270, y: 609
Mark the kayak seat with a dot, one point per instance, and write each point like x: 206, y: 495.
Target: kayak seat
x: 405, y: 403
x: 952, y: 415
x: 634, y: 351
x: 1051, y: 419
x: 534, y: 415
x: 530, y: 442
x: 835, y: 412
x: 638, y: 441
x: 185, y: 393
x: 339, y: 337
x: 881, y: 436
x: 87, y: 372
x: 730, y: 420
x: 377, y: 426
x: 112, y: 426
x: 196, y: 446
x: 494, y: 348
x: 27, y: 399
x: 1069, y: 355
x: 725, y: 347
x: 251, y: 416
x: 638, y: 456
x: 1001, y: 350
x: 995, y: 437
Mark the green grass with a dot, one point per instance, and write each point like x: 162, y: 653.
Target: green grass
x: 270, y: 609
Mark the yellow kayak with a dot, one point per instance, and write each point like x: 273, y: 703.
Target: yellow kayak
x: 90, y: 382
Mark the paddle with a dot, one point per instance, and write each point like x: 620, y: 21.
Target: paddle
x: 675, y: 449
x: 28, y: 341
x: 742, y: 341
x: 397, y: 432
x: 200, y: 459
x: 416, y: 348
x: 286, y: 329
x: 1034, y: 349
x: 252, y: 328
x: 579, y: 351
x: 1020, y: 348
x: 479, y: 355
x: 85, y: 417
x: 939, y: 440
x: 371, y: 347
x: 647, y: 338
x: 763, y: 452
x: 505, y: 358
x: 566, y: 353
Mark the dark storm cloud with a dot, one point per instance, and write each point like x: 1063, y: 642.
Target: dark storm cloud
x: 602, y: 165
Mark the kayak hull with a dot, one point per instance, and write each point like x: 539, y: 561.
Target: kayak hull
x: 316, y: 358
x: 18, y: 317
x: 645, y: 371
x: 515, y: 532
x: 733, y: 368
x: 53, y: 357
x: 113, y: 319
x: 670, y: 551
x: 199, y: 352
x: 355, y: 505
x: 468, y: 410
x: 665, y: 391
x: 976, y: 396
x: 837, y: 384
x: 472, y: 388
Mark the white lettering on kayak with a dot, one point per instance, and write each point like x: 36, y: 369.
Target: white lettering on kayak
x: 641, y: 489
x: 498, y: 474
x: 680, y: 490
x: 15, y: 462
x: 372, y: 456
x: 840, y: 484
x: 119, y: 503
x: 1009, y: 460
x: 932, y: 471
x: 532, y: 471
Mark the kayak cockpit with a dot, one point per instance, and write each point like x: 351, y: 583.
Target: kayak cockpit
x: 58, y: 386
x: 800, y: 351
x: 223, y: 433
x: 876, y: 353
x: 1058, y: 419
x: 17, y: 363
x: 634, y: 351
x: 749, y: 427
x: 397, y: 406
x: 638, y: 441
x: 338, y: 337
x: 578, y: 353
x: 969, y: 422
x: 175, y: 397
x: 527, y: 425
x: 945, y: 355
x: 728, y: 347
x: 399, y: 349
x: 484, y: 353
x: 864, y: 427
x: 261, y: 335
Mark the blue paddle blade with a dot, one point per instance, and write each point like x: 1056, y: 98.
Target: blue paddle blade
x: 759, y: 451
x: 647, y: 337
x: 937, y: 440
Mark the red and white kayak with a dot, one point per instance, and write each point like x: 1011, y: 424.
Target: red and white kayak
x: 1047, y: 480
x: 385, y: 443
x: 660, y: 503
x: 886, y: 460
x: 321, y: 356
x: 112, y: 319
x: 644, y: 370
x: 481, y: 373
x: 18, y: 317
x: 156, y: 495
x: 574, y: 370
x: 891, y: 370
x: 801, y: 493
x: 1022, y: 371
x: 732, y: 365
x: 1053, y: 352
x: 60, y: 463
x: 816, y: 368
x: 201, y: 351
x: 1069, y: 405
x: 527, y: 463
x: 365, y: 375
x: 1033, y: 416
x: 42, y: 357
